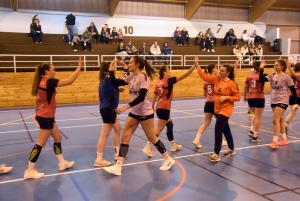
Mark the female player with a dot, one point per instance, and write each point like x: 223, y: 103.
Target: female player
x: 109, y: 100
x: 280, y: 84
x: 43, y: 87
x: 296, y: 78
x: 140, y: 112
x: 164, y: 92
x: 254, y: 95
x: 226, y: 92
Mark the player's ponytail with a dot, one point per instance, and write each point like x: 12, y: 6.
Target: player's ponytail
x: 40, y: 71
x: 104, y: 69
x: 162, y: 71
x: 151, y: 72
x: 209, y: 68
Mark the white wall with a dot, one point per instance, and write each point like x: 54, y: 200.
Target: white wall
x: 53, y: 22
x: 272, y: 34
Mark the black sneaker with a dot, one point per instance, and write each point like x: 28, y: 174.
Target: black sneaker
x: 251, y: 134
x: 256, y: 139
x: 228, y: 153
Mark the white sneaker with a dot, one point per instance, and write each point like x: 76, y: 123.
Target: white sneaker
x: 168, y: 163
x: 224, y: 143
x: 212, y: 50
x: 175, y: 146
x: 69, y: 42
x: 65, y: 165
x: 116, y: 170
x: 75, y: 50
x: 197, y: 144
x: 33, y: 174
x: 4, y: 169
x: 148, y: 150
x: 102, y: 163
x: 116, y: 156
x: 208, y: 51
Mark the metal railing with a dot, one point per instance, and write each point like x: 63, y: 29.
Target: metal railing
x: 19, y: 61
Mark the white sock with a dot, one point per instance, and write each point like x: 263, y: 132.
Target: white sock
x: 166, y: 155
x: 99, y: 156
x: 120, y: 161
x: 198, y: 136
x: 275, y: 138
x: 60, y: 158
x: 283, y: 135
x: 255, y: 134
x: 251, y: 128
x: 31, y: 166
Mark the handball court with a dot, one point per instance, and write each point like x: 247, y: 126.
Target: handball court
x: 255, y: 173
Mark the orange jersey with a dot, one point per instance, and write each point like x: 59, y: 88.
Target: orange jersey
x: 45, y: 98
x: 255, y: 88
x: 222, y: 88
x: 210, y: 94
x: 164, y: 91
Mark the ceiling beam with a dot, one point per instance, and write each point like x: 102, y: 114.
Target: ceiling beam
x: 14, y: 4
x: 112, y: 6
x: 225, y: 5
x: 161, y: 1
x: 259, y: 8
x: 191, y: 7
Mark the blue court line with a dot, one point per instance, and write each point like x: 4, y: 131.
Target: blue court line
x: 85, y: 198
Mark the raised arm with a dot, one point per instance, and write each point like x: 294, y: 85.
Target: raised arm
x: 184, y: 75
x: 72, y: 78
x: 262, y: 77
x: 293, y: 73
x: 204, y: 76
x: 114, y: 81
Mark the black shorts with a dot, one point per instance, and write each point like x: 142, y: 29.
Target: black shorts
x: 281, y: 105
x: 256, y: 102
x: 163, y: 114
x: 298, y: 101
x: 209, y: 107
x: 141, y: 118
x: 45, y: 123
x: 108, y: 115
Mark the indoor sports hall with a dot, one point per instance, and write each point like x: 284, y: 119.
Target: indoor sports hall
x: 36, y: 33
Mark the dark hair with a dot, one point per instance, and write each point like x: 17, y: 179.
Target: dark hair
x: 230, y: 70
x: 166, y: 43
x: 209, y: 68
x: 256, y: 66
x: 104, y: 68
x: 161, y: 71
x: 151, y: 72
x: 282, y: 63
x: 296, y: 69
x: 39, y: 72
x: 93, y: 23
x: 245, y: 31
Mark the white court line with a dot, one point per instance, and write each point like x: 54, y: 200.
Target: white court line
x: 137, y: 163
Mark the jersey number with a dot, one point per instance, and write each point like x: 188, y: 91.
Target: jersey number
x: 209, y: 89
x: 253, y: 83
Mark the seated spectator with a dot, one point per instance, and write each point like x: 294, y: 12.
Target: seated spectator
x: 208, y: 43
x: 86, y: 40
x: 36, y: 31
x: 246, y: 38
x: 259, y: 51
x: 166, y: 50
x: 120, y: 36
x: 130, y: 49
x: 114, y: 35
x: 237, y: 52
x: 144, y: 50
x: 230, y: 38
x: 155, y: 50
x: 245, y: 52
x: 200, y: 40
x: 121, y: 51
x: 211, y: 35
x: 76, y: 41
x: 252, y: 52
x: 178, y: 36
x: 185, y: 36
x: 257, y: 38
x: 105, y: 33
x: 94, y: 31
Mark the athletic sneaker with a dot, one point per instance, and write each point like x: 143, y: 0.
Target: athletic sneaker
x: 273, y: 145
x: 5, y: 169
x: 102, y: 163
x: 228, y: 153
x: 214, y: 158
x: 148, y: 150
x: 33, y: 174
x: 66, y: 164
x: 168, y: 163
x: 197, y: 144
x: 283, y: 142
x: 212, y: 50
x: 250, y: 134
x: 256, y: 139
x: 116, y: 170
x: 175, y: 146
x: 224, y: 143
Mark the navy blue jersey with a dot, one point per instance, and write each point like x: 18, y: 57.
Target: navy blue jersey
x: 108, y: 94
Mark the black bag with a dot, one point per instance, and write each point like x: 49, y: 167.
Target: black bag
x: 276, y: 47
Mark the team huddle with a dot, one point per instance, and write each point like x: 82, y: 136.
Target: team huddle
x: 221, y: 92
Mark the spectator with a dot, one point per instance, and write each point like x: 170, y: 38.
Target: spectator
x: 200, y: 39
x: 130, y: 49
x: 246, y: 38
x: 70, y: 25
x: 185, y: 36
x: 121, y: 51
x: 257, y: 38
x: 237, y: 52
x: 211, y: 35
x: 245, y: 52
x: 259, y: 51
x: 208, y: 43
x: 144, y: 50
x: 230, y: 38
x: 166, y: 50
x: 105, y: 33
x: 178, y: 36
x: 155, y: 50
x: 36, y: 31
x: 86, y: 40
x: 94, y: 31
x: 114, y: 35
x: 120, y: 36
x: 253, y: 52
x: 75, y: 41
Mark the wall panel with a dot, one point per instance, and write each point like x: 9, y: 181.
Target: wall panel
x: 5, y: 4
x: 280, y: 17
